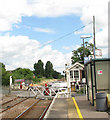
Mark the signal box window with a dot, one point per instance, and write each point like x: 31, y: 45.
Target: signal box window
x: 76, y: 74
x: 71, y: 74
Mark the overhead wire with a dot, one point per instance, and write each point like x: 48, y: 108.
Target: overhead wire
x: 65, y: 35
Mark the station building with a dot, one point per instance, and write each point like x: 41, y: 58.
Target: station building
x: 97, y: 77
x: 76, y: 74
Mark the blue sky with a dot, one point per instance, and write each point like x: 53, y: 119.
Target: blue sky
x: 28, y: 29
x: 58, y: 27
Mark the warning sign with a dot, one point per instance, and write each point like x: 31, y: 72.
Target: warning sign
x: 99, y: 72
x: 98, y: 53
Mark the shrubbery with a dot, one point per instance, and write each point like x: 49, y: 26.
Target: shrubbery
x: 23, y: 73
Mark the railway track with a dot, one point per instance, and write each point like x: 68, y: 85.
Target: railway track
x: 11, y: 103
x: 8, y: 101
x: 36, y: 110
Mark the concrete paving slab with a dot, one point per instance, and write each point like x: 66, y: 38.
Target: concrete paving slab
x: 59, y: 109
x: 89, y: 111
x: 72, y: 112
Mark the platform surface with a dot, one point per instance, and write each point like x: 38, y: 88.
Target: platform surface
x: 89, y: 111
x: 65, y: 108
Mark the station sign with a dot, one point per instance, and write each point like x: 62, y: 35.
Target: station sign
x: 98, y: 53
x: 86, y: 59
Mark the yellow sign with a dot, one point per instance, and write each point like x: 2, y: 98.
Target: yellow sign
x: 108, y: 99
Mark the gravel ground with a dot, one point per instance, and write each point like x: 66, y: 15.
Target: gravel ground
x: 18, y: 109
x: 11, y: 103
x: 6, y: 98
x: 37, y: 109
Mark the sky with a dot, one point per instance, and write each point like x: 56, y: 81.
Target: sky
x: 47, y: 29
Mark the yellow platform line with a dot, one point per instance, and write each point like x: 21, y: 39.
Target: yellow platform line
x: 77, y: 108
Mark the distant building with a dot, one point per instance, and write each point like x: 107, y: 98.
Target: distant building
x: 22, y: 80
x: 76, y: 73
x: 19, y: 80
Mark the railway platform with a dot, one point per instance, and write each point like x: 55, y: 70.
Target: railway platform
x: 68, y: 108
x: 74, y: 108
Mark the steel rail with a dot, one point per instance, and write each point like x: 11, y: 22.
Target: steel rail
x: 44, y: 112
x: 27, y: 109
x: 13, y: 105
x: 9, y: 101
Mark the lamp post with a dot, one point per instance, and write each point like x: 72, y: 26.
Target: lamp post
x: 84, y: 37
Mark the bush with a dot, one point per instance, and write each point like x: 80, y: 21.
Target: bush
x: 36, y: 80
x: 81, y: 91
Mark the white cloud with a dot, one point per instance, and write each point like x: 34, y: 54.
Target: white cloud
x: 45, y: 30
x: 11, y: 11
x: 20, y: 51
x: 66, y: 47
x: 102, y: 41
x: 71, y: 47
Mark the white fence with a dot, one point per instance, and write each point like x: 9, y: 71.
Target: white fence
x: 48, y: 91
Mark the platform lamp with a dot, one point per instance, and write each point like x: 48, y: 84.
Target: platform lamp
x: 84, y: 37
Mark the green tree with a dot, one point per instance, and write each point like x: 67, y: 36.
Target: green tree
x: 78, y: 55
x: 48, y: 69
x: 22, y: 73
x: 56, y: 75
x: 38, y: 69
x: 5, y: 76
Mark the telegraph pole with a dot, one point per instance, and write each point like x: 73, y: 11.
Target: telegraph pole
x: 94, y: 36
